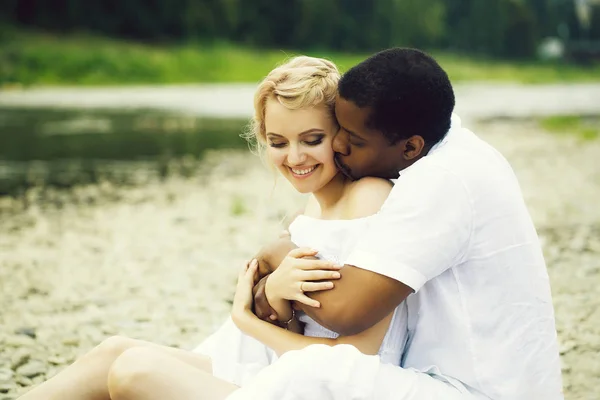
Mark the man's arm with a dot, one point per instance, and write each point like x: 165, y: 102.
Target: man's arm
x: 271, y: 255
x: 423, y: 228
x: 359, y: 299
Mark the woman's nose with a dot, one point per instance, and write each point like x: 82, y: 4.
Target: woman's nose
x: 296, y: 156
x: 341, y: 144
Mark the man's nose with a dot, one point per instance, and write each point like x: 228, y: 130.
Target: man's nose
x: 341, y: 144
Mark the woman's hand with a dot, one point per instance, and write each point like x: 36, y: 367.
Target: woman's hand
x: 296, y: 276
x: 243, y: 299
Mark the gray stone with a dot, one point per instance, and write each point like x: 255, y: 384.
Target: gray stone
x: 23, y: 381
x: 19, y: 341
x: 594, y: 245
x: 55, y: 360
x: 7, y: 387
x: 71, y: 341
x: 19, y: 358
x: 27, y: 331
x: 567, y: 346
x: 6, y: 375
x: 32, y: 369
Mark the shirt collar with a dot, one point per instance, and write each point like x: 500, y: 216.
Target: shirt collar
x: 455, y: 125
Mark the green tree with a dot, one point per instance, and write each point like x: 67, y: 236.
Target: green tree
x: 418, y: 23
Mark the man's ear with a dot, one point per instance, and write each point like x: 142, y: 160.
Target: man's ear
x: 413, y: 147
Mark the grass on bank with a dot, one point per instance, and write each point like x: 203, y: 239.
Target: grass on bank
x: 586, y: 128
x: 33, y: 58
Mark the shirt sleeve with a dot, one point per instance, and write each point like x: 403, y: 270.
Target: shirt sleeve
x: 423, y: 228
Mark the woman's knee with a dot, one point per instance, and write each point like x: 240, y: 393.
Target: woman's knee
x: 114, y: 346
x: 131, y: 371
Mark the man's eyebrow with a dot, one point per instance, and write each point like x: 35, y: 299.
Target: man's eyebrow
x: 306, y: 132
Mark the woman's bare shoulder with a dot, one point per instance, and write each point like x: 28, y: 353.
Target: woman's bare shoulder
x: 367, y: 195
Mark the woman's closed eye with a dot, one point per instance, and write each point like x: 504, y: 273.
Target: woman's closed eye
x: 315, y: 142
x: 277, y: 145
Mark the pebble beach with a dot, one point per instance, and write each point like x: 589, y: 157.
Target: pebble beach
x: 158, y: 261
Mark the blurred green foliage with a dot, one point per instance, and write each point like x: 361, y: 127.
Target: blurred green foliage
x: 500, y: 28
x: 585, y: 128
x: 34, y: 58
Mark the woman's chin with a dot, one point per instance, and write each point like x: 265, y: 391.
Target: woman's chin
x: 303, y: 188
x: 310, y: 185
x: 302, y: 185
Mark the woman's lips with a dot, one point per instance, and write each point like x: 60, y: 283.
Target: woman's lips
x: 304, y: 172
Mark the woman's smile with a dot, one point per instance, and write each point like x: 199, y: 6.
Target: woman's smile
x: 303, y: 172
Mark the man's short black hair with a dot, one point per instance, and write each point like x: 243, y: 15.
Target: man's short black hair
x: 408, y: 92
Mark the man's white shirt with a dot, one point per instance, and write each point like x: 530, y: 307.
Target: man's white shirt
x: 456, y: 229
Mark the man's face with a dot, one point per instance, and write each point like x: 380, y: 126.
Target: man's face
x: 361, y: 151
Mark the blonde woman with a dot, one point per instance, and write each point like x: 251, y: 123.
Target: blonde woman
x: 294, y: 124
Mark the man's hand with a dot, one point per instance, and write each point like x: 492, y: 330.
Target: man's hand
x: 264, y: 268
x: 262, y: 308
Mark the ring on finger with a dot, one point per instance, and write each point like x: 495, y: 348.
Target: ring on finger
x: 302, y: 286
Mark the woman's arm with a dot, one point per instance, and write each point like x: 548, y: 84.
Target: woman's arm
x: 282, y: 340
x: 269, y: 259
x: 291, y: 282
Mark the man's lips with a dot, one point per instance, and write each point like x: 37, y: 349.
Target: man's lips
x: 342, y: 167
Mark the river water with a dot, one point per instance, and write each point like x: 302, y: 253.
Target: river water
x: 65, y: 147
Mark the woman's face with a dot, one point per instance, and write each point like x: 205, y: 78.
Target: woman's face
x: 299, y: 144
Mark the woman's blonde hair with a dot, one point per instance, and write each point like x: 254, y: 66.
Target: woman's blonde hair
x: 299, y: 83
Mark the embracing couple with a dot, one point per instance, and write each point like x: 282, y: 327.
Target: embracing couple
x: 430, y: 287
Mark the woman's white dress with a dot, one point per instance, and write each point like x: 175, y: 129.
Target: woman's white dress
x: 237, y: 357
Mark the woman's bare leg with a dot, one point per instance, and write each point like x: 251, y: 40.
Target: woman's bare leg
x: 86, y: 378
x: 144, y: 373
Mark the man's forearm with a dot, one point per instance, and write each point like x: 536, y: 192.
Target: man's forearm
x: 331, y: 314
x: 349, y: 308
x: 271, y: 255
x: 359, y: 300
